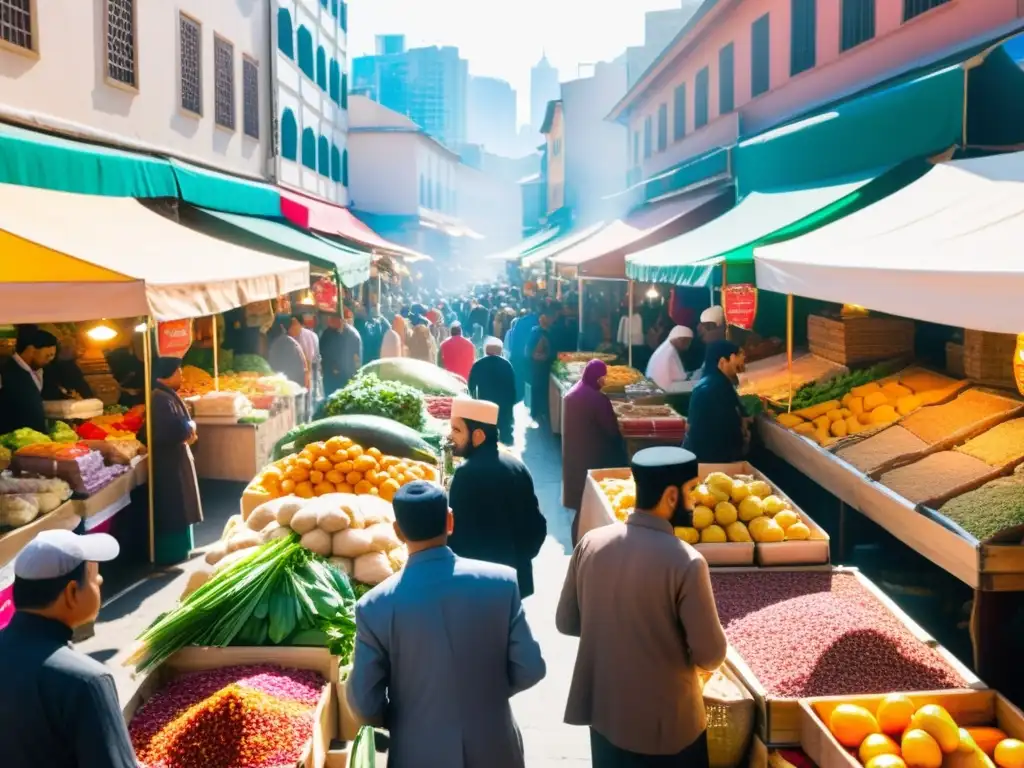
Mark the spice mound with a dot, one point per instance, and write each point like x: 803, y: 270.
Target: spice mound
x: 938, y: 422
x: 234, y: 717
x: 892, y: 443
x: 935, y: 476
x: 1000, y: 446
x: 805, y: 633
x: 991, y: 509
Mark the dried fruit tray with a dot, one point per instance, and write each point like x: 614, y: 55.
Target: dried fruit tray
x: 196, y: 659
x: 893, y: 634
x: 968, y: 708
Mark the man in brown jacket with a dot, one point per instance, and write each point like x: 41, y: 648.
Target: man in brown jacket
x: 640, y: 601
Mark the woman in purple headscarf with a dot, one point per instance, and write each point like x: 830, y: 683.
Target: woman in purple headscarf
x: 590, y: 436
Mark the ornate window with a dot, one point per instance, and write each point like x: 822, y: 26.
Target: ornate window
x: 190, y: 64
x: 285, y: 36
x: 224, y: 83
x: 16, y: 23
x: 309, y: 148
x: 289, y: 135
x: 121, y: 62
x: 250, y: 97
x: 335, y: 88
x: 344, y: 168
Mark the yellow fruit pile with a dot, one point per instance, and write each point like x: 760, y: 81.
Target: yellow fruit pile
x: 867, y: 406
x: 900, y: 734
x: 196, y: 381
x: 621, y: 494
x: 339, y: 465
x: 620, y: 376
x: 740, y: 509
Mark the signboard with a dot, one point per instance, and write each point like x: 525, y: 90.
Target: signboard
x: 325, y: 292
x: 740, y: 304
x: 173, y: 338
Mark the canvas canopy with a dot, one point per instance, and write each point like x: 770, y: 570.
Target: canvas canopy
x: 67, y: 257
x: 559, y: 244
x: 945, y: 249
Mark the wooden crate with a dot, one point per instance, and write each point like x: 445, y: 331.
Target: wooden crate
x: 854, y: 340
x: 779, y: 719
x: 968, y: 708
x: 988, y: 357
x: 196, y: 659
x: 955, y: 359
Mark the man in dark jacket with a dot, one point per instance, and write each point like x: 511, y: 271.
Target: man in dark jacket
x: 492, y: 378
x: 716, y: 431
x: 497, y: 516
x: 341, y: 349
x: 21, y: 380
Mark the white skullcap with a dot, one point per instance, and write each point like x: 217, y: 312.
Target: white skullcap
x: 482, y: 411
x: 680, y: 332
x: 714, y: 315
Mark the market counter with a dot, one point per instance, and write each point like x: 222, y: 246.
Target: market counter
x: 237, y: 452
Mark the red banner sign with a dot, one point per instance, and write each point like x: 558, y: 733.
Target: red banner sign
x: 325, y: 292
x: 173, y: 338
x: 740, y: 304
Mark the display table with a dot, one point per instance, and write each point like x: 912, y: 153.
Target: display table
x: 237, y: 451
x: 556, y: 392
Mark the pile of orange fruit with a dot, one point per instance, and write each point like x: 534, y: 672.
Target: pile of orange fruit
x: 339, y: 465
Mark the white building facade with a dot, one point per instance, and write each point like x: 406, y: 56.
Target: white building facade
x: 187, y: 79
x: 310, y: 90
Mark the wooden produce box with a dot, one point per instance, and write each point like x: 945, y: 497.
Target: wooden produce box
x: 237, y: 452
x: 779, y: 719
x: 968, y: 708
x: 988, y: 357
x: 348, y: 722
x: 196, y: 659
x: 813, y: 551
x: 854, y: 340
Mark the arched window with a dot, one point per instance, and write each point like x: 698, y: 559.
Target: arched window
x: 309, y: 148
x: 334, y: 8
x: 343, y: 15
x: 335, y: 89
x: 335, y: 163
x: 323, y: 3
x: 344, y: 91
x: 323, y: 158
x: 344, y: 168
x: 305, y: 39
x: 321, y: 68
x: 289, y: 135
x: 285, y: 35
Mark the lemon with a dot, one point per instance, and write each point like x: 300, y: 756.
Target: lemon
x: 786, y: 518
x: 750, y: 508
x: 718, y: 479
x: 719, y: 494
x: 725, y: 514
x: 773, y: 505
x: 713, y: 534
x: 798, y: 532
x: 702, y: 517
x: 760, y: 488
x: 770, y: 532
x: 920, y: 750
x: 689, y: 535
x: 739, y: 491
x: 877, y: 744
x: 737, y: 532
x: 937, y: 723
x: 756, y: 525
x: 1009, y: 753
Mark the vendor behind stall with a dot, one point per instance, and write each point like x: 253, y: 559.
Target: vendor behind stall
x: 63, y: 379
x: 717, y: 431
x: 129, y: 371
x: 666, y: 364
x: 175, y: 488
x: 21, y: 380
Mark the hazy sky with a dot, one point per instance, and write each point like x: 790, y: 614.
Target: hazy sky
x: 504, y: 39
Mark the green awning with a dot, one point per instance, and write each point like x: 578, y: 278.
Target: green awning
x: 516, y: 252
x: 279, y: 239
x: 217, y: 191
x: 556, y: 245
x: 696, y: 170
x: 973, y: 97
x: 761, y: 218
x: 35, y: 159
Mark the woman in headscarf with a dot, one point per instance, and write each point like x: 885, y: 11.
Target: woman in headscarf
x: 422, y: 345
x: 401, y: 327
x: 590, y: 437
x: 175, y: 487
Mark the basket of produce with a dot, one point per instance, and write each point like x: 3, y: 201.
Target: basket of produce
x: 619, y: 377
x: 810, y: 632
x: 853, y: 340
x: 729, y: 709
x: 222, y: 707
x: 961, y: 729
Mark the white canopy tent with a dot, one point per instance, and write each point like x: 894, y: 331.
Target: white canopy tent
x: 944, y: 249
x: 66, y: 257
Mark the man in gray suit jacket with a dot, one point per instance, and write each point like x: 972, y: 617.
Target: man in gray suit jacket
x: 441, y: 648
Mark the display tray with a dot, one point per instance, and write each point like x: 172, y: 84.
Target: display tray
x: 778, y: 718
x: 13, y: 541
x: 968, y: 708
x: 196, y: 659
x: 825, y: 469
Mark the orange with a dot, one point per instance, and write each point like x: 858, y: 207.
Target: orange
x: 344, y: 466
x: 894, y: 713
x: 920, y: 750
x: 304, y: 490
x: 1009, y: 754
x: 323, y: 464
x: 334, y: 476
x: 353, y: 477
x: 321, y: 488
x: 374, y: 452
x: 343, y: 488
x: 355, y: 451
x: 877, y: 744
x: 374, y: 491
x: 316, y: 477
x: 364, y: 463
x: 362, y: 487
x: 287, y: 486
x: 338, y: 456
x: 987, y: 738
x: 851, y: 724
x: 416, y: 471
x: 373, y: 477
x: 298, y: 474
x: 345, y: 442
x: 388, y: 489
x: 304, y: 462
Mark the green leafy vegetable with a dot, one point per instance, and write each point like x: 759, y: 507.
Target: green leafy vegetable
x: 246, y: 363
x: 21, y: 437
x: 60, y: 432
x: 835, y: 389
x: 371, y: 396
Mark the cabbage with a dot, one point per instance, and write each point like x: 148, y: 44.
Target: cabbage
x: 251, y: 364
x: 19, y: 438
x: 62, y: 433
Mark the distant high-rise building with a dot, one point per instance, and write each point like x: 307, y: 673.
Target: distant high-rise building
x: 543, y: 88
x: 492, y: 115
x: 428, y: 85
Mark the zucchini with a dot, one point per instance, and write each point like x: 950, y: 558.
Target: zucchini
x: 426, y: 377
x: 386, y: 435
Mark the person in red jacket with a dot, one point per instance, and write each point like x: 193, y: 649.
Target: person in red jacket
x: 457, y: 353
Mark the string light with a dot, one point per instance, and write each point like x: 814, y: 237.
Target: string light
x: 102, y: 331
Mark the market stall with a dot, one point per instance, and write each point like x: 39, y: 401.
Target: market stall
x: 622, y: 384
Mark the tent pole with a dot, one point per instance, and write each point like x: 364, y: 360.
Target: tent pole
x: 579, y: 314
x: 789, y: 347
x: 147, y: 361
x: 216, y: 356
x: 629, y: 325
x: 725, y: 278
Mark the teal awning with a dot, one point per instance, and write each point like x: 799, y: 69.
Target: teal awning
x: 558, y: 244
x: 279, y: 239
x: 35, y: 159
x: 713, y: 165
x: 761, y: 218
x: 974, y: 97
x: 217, y: 191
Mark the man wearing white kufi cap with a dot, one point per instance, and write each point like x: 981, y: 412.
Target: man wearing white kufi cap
x: 497, y: 516
x: 712, y: 325
x: 666, y: 365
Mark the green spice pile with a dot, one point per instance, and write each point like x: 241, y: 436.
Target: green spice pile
x: 990, y: 509
x: 368, y: 395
